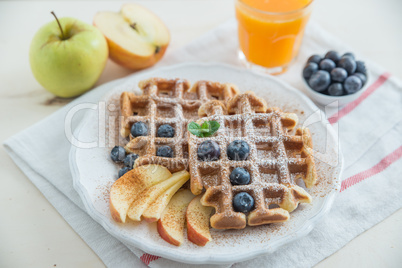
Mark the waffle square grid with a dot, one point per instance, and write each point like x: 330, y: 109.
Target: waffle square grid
x: 277, y: 160
x: 167, y: 101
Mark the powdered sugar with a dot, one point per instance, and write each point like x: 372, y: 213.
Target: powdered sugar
x: 166, y: 101
x: 270, y: 175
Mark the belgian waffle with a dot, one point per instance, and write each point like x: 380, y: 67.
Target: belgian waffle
x: 276, y: 162
x: 167, y: 101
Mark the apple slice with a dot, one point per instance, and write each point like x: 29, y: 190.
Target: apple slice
x: 148, y: 196
x: 126, y: 189
x: 154, y: 211
x: 137, y: 38
x: 171, y: 224
x: 197, y: 217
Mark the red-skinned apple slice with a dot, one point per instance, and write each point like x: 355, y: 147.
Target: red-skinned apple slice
x: 137, y: 38
x: 126, y: 189
x: 171, y: 224
x: 197, y: 217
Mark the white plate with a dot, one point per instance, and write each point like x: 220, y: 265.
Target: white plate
x: 94, y: 172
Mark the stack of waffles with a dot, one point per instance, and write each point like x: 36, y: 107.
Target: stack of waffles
x: 280, y: 155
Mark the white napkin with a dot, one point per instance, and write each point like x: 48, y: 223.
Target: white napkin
x: 370, y: 131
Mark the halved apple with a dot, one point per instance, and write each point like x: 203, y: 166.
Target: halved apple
x: 154, y: 211
x: 126, y: 189
x: 137, y: 38
x: 197, y: 217
x: 171, y: 224
x: 148, y: 196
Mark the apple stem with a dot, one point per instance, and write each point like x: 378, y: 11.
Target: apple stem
x: 58, y: 22
x: 157, y: 49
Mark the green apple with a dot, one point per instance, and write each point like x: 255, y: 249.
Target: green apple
x: 67, y: 56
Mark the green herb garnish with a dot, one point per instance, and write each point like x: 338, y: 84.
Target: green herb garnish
x: 207, y: 129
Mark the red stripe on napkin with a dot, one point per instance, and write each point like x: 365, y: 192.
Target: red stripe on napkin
x: 351, y: 106
x: 382, y: 165
x: 148, y: 258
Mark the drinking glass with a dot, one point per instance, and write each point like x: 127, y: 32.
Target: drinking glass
x: 270, y: 32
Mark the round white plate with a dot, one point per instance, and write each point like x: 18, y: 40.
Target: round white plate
x: 94, y: 173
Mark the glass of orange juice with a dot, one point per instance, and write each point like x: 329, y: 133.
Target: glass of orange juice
x: 270, y: 32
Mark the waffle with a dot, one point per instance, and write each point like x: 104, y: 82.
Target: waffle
x: 167, y: 101
x: 276, y: 162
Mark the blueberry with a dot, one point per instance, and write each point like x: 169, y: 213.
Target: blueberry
x: 320, y: 80
x: 130, y: 160
x: 333, y: 55
x: 339, y: 74
x: 238, y: 150
x: 315, y: 59
x: 309, y: 69
x: 349, y: 54
x: 336, y: 89
x: 123, y: 171
x: 165, y: 131
x: 361, y: 67
x: 243, y: 202
x: 361, y: 76
x: 327, y: 65
x: 348, y: 64
x: 139, y: 129
x: 352, y: 84
x: 164, y: 151
x: 208, y: 151
x: 239, y: 176
x: 117, y: 154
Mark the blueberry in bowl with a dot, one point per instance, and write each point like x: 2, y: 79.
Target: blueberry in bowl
x: 335, y: 89
x: 339, y: 75
x: 315, y: 58
x: 334, y: 79
x: 333, y: 56
x: 320, y: 80
x: 327, y: 65
x: 309, y: 69
x: 347, y: 63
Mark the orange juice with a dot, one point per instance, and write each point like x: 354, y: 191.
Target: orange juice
x: 271, y: 31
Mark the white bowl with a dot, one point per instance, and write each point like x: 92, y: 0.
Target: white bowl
x: 333, y: 101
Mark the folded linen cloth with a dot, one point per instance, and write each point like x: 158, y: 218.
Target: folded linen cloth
x: 370, y: 132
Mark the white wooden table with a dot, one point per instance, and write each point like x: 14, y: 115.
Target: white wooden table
x: 33, y: 234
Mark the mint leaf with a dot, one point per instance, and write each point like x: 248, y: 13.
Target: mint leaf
x: 207, y: 129
x: 205, y: 126
x: 213, y: 126
x: 195, y: 129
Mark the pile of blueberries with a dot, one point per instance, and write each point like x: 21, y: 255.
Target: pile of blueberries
x: 335, y: 75
x: 118, y: 153
x: 237, y: 150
